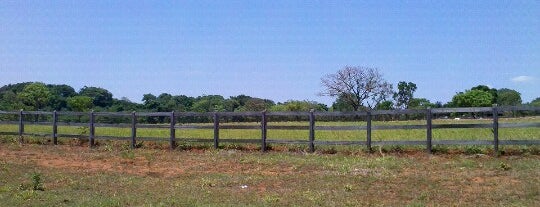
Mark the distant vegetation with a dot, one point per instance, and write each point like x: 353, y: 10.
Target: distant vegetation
x: 355, y: 89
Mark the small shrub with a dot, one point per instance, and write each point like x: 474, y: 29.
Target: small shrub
x: 271, y: 199
x: 440, y: 149
x: 330, y: 150
x: 348, y: 187
x: 397, y: 148
x: 37, y: 184
x: 127, y: 154
x: 471, y: 150
x: 504, y: 166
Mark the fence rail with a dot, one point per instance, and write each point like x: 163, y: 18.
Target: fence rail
x: 262, y: 117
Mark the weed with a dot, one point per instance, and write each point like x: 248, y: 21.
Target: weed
x: 205, y: 182
x: 471, y: 150
x: 271, y: 198
x: 36, y: 183
x: 127, y: 154
x: 330, y: 150
x: 139, y: 144
x: 504, y: 166
x: 440, y: 149
x: 348, y: 188
x: 397, y: 148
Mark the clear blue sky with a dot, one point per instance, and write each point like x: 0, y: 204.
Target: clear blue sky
x: 270, y: 49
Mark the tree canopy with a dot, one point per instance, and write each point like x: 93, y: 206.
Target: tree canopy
x: 472, y: 98
x: 405, y: 93
x: 508, y: 97
x: 100, y: 97
x: 357, y: 86
x: 35, y: 95
x: 40, y: 96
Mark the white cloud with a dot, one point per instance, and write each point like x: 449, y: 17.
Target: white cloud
x: 522, y: 79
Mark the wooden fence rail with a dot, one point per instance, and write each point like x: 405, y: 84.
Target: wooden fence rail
x: 263, y: 118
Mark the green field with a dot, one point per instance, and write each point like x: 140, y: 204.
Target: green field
x: 349, y: 135
x: 112, y: 174
x: 117, y: 176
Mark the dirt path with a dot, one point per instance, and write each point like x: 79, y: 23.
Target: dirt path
x: 84, y: 159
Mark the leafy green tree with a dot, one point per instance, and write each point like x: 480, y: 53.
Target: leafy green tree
x: 421, y: 103
x: 255, y: 104
x: 15, y: 88
x: 485, y: 88
x: 9, y: 101
x: 294, y: 105
x: 35, y: 96
x: 59, y: 94
x: 124, y: 105
x: 100, y: 97
x: 209, y: 103
x: 508, y: 97
x: 472, y: 98
x: 535, y: 102
x: 79, y: 103
x: 405, y: 94
x: 183, y: 102
x: 150, y: 102
x: 385, y: 105
x: 236, y: 102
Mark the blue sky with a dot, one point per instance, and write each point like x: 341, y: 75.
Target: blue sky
x: 270, y: 49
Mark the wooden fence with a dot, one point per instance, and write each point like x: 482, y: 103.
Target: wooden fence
x: 366, y: 141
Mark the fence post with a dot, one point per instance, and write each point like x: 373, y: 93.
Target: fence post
x: 92, y: 129
x: 55, y: 127
x: 172, y: 140
x: 429, y: 127
x: 21, y: 126
x: 311, y: 131
x: 216, y: 130
x: 368, y: 131
x: 263, y: 131
x: 133, y: 130
x: 496, y: 129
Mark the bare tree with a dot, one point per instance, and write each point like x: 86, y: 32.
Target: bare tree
x: 358, y: 86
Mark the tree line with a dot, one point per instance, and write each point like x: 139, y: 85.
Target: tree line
x: 355, y: 89
x: 37, y: 96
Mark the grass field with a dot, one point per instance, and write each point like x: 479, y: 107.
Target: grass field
x: 111, y: 174
x: 350, y: 135
x: 64, y: 175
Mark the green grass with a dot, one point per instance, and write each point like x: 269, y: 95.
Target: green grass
x: 349, y: 135
x: 240, y: 178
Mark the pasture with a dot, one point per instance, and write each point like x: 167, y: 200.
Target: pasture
x: 38, y: 173
x: 112, y: 175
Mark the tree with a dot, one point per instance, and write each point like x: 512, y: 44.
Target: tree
x: 485, y: 88
x: 35, y: 95
x: 508, y: 97
x: 208, y: 103
x: 100, y: 97
x: 59, y: 94
x: 357, y: 86
x: 405, y: 94
x: 341, y: 104
x: 385, y: 105
x: 472, y: 98
x: 79, y: 103
x: 124, y: 104
x: 535, y: 102
x: 294, y: 105
x: 421, y: 103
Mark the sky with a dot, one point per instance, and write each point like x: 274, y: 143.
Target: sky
x: 270, y: 49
